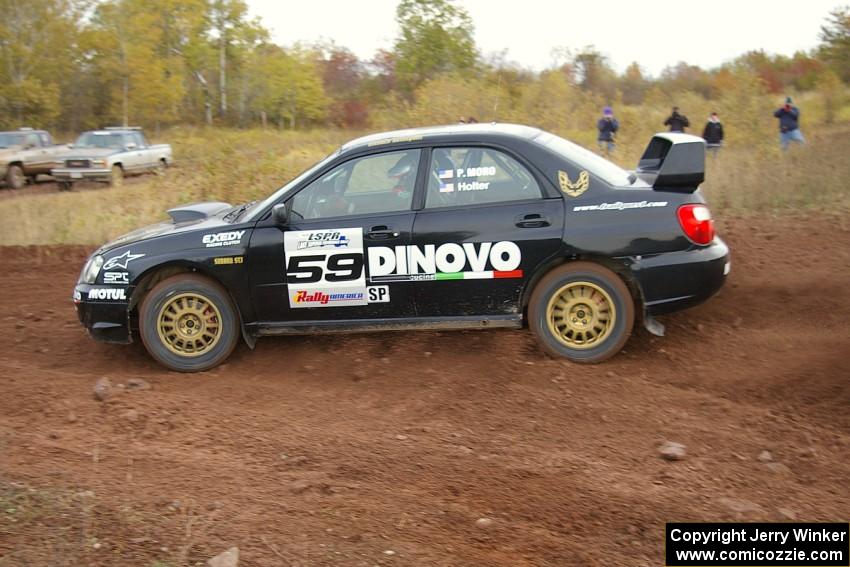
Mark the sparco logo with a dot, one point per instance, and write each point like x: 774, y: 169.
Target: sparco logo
x: 107, y: 293
x: 231, y: 238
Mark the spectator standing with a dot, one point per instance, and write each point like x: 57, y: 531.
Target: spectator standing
x: 713, y: 134
x: 677, y: 122
x: 607, y: 126
x: 789, y: 124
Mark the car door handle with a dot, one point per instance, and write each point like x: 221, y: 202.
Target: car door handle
x: 532, y: 220
x: 381, y: 232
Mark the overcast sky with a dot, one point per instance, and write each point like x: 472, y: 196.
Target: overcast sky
x: 655, y: 33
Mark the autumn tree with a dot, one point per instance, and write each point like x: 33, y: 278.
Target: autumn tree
x: 435, y: 37
x: 285, y: 86
x: 835, y: 35
x: 38, y: 50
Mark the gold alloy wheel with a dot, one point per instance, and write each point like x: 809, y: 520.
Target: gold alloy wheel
x: 581, y: 315
x: 189, y: 324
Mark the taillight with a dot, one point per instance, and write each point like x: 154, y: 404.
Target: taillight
x: 696, y: 223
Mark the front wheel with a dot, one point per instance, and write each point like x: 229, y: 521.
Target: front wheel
x: 15, y: 177
x: 188, y: 323
x: 116, y: 177
x: 581, y: 311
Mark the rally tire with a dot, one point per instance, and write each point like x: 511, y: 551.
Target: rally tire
x: 589, y: 290
x: 15, y: 178
x: 193, y: 304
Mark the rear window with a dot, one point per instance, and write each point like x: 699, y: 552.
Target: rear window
x: 582, y: 158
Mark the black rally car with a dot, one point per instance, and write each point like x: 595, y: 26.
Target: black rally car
x: 456, y: 227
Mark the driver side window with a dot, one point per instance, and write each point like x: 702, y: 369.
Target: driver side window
x: 379, y: 183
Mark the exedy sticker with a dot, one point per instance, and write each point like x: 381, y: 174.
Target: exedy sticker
x: 218, y: 239
x: 121, y: 261
x: 573, y: 189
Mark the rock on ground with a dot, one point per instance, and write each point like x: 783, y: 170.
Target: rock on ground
x: 671, y: 451
x: 229, y: 558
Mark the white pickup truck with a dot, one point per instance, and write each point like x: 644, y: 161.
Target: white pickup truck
x: 26, y: 153
x: 110, y: 155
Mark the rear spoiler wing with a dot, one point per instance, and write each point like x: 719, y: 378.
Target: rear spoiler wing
x: 673, y: 162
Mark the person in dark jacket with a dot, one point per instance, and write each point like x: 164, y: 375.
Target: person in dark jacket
x: 789, y: 124
x: 677, y: 122
x: 713, y: 134
x: 607, y: 126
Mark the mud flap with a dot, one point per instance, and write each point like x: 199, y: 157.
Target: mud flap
x: 652, y: 325
x: 249, y: 339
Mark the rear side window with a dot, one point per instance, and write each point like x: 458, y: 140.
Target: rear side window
x: 473, y: 176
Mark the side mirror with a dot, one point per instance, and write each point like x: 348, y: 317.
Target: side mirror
x: 280, y: 214
x: 130, y: 146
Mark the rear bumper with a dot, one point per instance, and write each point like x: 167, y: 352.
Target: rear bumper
x: 106, y: 320
x: 79, y: 174
x: 679, y: 280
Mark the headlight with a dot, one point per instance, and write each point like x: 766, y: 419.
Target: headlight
x: 98, y: 162
x: 91, y: 270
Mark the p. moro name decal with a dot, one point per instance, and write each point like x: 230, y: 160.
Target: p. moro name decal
x: 450, y: 261
x: 231, y: 238
x: 621, y: 206
x: 114, y: 294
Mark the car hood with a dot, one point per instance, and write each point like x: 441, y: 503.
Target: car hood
x: 195, y: 217
x: 10, y: 150
x: 90, y: 153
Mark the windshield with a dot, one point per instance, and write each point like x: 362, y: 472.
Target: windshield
x: 610, y: 172
x: 7, y: 140
x: 100, y: 140
x: 280, y: 193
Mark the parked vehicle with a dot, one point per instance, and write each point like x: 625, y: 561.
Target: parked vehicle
x: 459, y: 227
x: 25, y: 153
x: 109, y: 155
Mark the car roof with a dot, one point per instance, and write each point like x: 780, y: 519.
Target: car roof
x: 110, y: 131
x: 451, y: 132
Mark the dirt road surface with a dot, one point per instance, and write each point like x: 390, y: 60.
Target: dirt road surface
x: 389, y: 449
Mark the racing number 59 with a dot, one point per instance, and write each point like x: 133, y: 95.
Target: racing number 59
x: 332, y: 268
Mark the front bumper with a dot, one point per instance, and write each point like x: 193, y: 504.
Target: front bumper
x: 679, y: 280
x: 79, y: 174
x: 105, y: 313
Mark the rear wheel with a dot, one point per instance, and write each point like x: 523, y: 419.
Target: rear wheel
x: 15, y: 177
x: 116, y: 177
x: 581, y: 311
x: 188, y: 323
x: 66, y: 186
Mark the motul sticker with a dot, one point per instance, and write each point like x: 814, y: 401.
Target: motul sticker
x: 112, y: 294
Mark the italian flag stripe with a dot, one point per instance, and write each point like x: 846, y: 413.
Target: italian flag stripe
x: 488, y: 275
